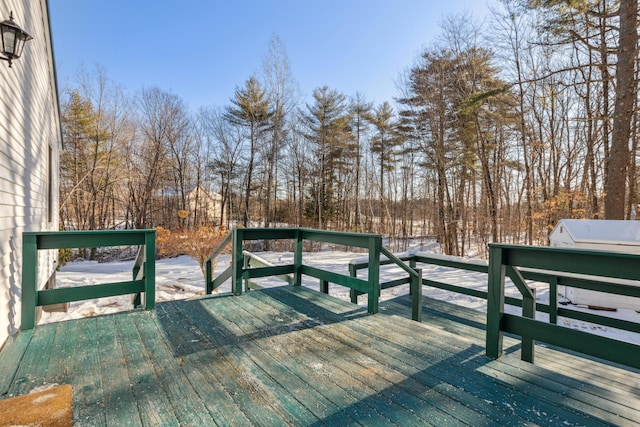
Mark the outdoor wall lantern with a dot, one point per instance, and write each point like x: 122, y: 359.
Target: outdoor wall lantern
x: 13, y: 39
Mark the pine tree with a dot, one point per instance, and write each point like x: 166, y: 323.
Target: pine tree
x: 250, y: 110
x: 327, y: 122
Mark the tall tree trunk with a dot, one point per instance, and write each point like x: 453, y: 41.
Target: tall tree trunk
x: 624, y: 104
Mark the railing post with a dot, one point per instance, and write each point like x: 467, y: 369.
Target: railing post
x: 412, y: 264
x: 324, y: 286
x: 553, y: 300
x: 416, y: 295
x: 29, y: 280
x: 353, y: 295
x: 236, y: 262
x: 297, y: 259
x: 137, y: 298
x: 528, y: 311
x: 495, y: 302
x: 375, y: 245
x: 246, y: 261
x: 208, y: 277
x: 150, y: 270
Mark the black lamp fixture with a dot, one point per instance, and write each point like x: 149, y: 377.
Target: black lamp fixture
x: 13, y: 39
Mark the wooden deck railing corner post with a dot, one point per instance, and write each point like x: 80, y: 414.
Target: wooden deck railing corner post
x: 416, y: 295
x: 246, y: 263
x: 495, y: 301
x: 237, y: 261
x: 353, y: 294
x: 208, y: 277
x: 297, y: 258
x: 553, y: 299
x: 150, y: 270
x: 375, y: 247
x: 412, y: 264
x: 29, y: 280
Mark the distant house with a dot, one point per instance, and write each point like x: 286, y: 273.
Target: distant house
x: 207, y: 204
x: 30, y: 141
x: 201, y: 207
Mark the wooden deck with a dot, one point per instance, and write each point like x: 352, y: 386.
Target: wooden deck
x: 292, y: 356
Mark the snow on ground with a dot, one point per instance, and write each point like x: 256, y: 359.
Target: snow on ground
x: 181, y: 277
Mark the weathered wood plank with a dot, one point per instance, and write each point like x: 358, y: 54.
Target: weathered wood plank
x: 33, y: 366
x: 406, y: 341
x: 12, y: 355
x: 423, y: 382
x: 308, y: 361
x: 322, y: 385
x: 62, y: 360
x: 153, y: 404
x: 304, y: 392
x: 198, y: 356
x: 577, y: 371
x: 245, y: 390
x: 186, y: 403
x: 562, y: 405
x: 119, y: 401
x: 470, y: 323
x: 87, y: 379
x: 294, y: 356
x: 387, y: 384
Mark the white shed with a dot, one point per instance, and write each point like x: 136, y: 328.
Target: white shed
x: 602, y: 235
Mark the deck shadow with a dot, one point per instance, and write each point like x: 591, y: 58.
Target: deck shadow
x: 201, y: 324
x: 490, y: 399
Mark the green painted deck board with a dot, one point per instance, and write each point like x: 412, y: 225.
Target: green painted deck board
x: 12, y: 354
x: 153, y: 405
x: 86, y: 371
x: 119, y: 402
x: 293, y: 356
x: 311, y: 362
x: 431, y: 369
x: 578, y: 371
x: 186, y: 403
x: 593, y: 379
x: 385, y: 382
x: 32, y: 370
x: 61, y: 360
x: 331, y: 390
x: 244, y: 389
x: 197, y: 355
x: 370, y: 354
x: 484, y: 386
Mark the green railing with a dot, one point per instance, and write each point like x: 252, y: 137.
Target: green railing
x: 559, y: 265
x: 143, y: 270
x: 560, y: 276
x: 254, y: 261
x: 239, y: 271
x: 414, y: 279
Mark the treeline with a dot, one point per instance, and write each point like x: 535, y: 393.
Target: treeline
x: 499, y: 130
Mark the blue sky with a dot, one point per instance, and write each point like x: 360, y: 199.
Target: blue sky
x: 201, y: 50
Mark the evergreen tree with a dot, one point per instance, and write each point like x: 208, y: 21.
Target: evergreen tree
x: 251, y: 111
x: 327, y: 123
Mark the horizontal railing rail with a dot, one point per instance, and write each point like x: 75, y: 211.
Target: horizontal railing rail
x: 143, y: 269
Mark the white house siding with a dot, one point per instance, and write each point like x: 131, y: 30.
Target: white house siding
x: 29, y: 132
